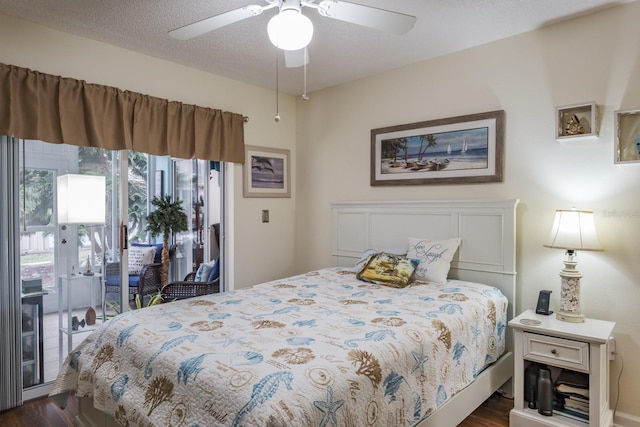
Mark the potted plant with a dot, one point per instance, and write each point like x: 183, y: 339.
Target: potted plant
x: 168, y: 217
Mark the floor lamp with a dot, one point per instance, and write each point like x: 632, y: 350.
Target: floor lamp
x: 81, y: 201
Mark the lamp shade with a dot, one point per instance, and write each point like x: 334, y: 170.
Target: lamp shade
x: 290, y: 30
x: 81, y: 199
x: 574, y: 230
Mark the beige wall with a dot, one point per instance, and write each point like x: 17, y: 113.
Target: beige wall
x: 269, y: 247
x: 593, y: 58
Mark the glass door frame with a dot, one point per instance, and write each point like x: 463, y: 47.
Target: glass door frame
x: 121, y: 202
x: 62, y: 259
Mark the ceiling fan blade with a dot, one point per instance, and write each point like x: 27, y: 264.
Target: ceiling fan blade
x: 367, y: 16
x: 218, y: 21
x: 296, y: 58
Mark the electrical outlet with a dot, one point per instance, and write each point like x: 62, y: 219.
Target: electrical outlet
x: 612, y: 348
x: 265, y: 215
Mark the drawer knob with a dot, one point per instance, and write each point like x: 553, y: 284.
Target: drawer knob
x: 554, y: 351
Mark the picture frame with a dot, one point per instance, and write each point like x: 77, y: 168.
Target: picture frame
x: 457, y: 150
x: 266, y: 172
x: 577, y: 121
x: 627, y: 136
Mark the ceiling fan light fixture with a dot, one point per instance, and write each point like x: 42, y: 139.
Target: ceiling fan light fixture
x: 290, y: 30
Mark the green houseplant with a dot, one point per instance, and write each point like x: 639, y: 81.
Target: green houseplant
x: 168, y: 217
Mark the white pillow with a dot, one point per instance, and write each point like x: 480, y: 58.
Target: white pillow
x: 202, y: 274
x: 139, y: 256
x: 435, y: 258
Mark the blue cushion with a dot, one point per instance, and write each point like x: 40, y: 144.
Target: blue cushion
x: 157, y: 259
x: 215, y: 271
x: 114, y: 280
x: 134, y: 281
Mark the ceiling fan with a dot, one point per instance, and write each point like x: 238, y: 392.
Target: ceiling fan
x: 291, y: 31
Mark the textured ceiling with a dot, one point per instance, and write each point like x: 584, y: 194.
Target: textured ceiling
x: 339, y: 52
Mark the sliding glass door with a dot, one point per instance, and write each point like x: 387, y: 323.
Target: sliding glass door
x: 191, y: 184
x: 74, y: 276
x: 61, y: 265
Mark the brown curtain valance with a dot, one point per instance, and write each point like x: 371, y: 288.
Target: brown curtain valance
x: 60, y: 110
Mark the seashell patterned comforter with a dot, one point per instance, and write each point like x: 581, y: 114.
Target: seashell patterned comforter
x: 318, y: 349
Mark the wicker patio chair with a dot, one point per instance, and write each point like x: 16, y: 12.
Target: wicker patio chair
x: 188, y: 288
x: 146, y: 283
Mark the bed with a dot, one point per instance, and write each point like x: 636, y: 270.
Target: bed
x: 321, y: 348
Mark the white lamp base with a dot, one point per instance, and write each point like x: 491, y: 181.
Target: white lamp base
x: 570, y: 292
x: 569, y: 317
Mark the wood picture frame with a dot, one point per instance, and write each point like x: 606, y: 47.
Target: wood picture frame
x: 456, y: 150
x: 266, y: 172
x: 627, y: 136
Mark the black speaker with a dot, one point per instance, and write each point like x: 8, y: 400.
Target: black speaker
x: 543, y: 303
x: 531, y: 385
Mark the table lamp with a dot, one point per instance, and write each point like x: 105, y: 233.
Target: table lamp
x: 572, y: 230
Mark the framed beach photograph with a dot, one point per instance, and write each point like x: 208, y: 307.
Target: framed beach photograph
x: 266, y: 172
x: 457, y: 150
x: 627, y: 137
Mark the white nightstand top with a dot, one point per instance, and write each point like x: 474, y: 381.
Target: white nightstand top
x: 590, y: 330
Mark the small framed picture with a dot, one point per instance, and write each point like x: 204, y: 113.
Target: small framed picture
x: 575, y: 121
x: 627, y: 136
x: 266, y: 172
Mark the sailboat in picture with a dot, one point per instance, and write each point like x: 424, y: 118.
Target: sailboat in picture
x: 464, y: 146
x: 449, y: 149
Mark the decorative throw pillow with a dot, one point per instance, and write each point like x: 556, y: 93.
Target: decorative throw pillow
x: 157, y: 258
x: 435, y: 258
x: 139, y: 256
x: 388, y: 269
x: 202, y: 274
x: 215, y: 271
x: 364, y: 258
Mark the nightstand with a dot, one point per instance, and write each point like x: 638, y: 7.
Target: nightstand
x: 577, y: 347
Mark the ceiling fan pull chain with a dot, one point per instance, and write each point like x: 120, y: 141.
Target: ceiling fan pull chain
x: 305, y: 97
x: 277, y: 117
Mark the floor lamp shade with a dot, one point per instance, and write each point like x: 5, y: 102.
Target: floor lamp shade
x: 572, y: 230
x: 81, y: 199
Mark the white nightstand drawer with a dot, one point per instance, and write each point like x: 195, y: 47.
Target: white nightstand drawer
x: 557, y: 351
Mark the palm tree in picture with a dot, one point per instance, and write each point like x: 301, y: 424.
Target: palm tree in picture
x: 431, y: 142
x: 168, y: 217
x: 391, y: 148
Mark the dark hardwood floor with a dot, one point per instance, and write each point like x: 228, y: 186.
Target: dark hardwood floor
x: 40, y: 413
x: 494, y: 412
x: 44, y: 413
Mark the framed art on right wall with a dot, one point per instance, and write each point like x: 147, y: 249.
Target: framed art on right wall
x: 579, y: 120
x: 627, y: 136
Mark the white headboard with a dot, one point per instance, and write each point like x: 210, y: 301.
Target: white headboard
x: 487, y: 229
